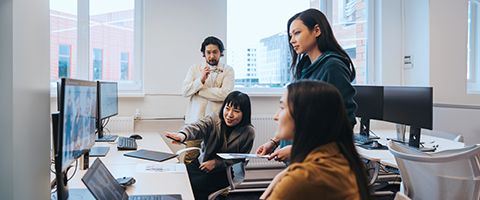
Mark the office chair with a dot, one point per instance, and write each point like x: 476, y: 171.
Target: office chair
x: 235, y: 176
x: 182, y: 152
x: 431, y: 175
x: 401, y: 196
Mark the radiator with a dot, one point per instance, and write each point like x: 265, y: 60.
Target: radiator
x: 265, y: 128
x: 120, y: 125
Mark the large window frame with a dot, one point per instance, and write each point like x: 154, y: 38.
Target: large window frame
x: 132, y: 87
x: 473, y: 62
x: 326, y: 6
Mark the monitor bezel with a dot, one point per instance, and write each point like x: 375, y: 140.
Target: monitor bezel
x: 60, y: 145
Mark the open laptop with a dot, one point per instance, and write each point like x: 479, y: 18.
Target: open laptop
x: 103, y: 186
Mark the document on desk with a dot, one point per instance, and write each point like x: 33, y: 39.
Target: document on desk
x: 161, y: 168
x: 230, y: 156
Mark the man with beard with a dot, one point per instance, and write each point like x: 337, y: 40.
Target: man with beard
x: 207, y: 85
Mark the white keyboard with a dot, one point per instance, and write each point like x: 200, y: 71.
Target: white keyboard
x: 262, y: 163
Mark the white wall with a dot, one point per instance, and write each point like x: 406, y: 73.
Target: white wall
x: 416, y: 34
x: 458, y: 120
x: 388, y: 42
x: 448, y: 69
x: 436, y: 37
x: 448, y: 52
x: 173, y: 33
x: 24, y: 83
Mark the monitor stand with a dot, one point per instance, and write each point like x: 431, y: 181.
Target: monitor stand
x: 363, y: 137
x: 107, y: 138
x: 414, y: 140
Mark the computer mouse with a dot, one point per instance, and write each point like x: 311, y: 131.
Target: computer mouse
x: 126, y: 181
x: 136, y: 136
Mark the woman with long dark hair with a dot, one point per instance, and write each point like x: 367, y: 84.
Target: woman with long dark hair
x: 325, y: 163
x: 228, y: 132
x: 316, y: 55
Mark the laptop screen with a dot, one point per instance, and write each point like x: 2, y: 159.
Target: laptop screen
x: 101, y: 183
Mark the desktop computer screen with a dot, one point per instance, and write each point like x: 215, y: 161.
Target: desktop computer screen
x: 73, y: 127
x: 108, y: 93
x: 369, y: 100
x: 107, y: 107
x: 412, y: 106
x: 77, y: 118
x: 408, y: 105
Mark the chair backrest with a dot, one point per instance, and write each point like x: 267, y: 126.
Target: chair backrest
x: 237, y: 175
x: 401, y: 196
x: 442, y: 134
x: 451, y: 174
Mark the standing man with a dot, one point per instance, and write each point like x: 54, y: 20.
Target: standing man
x: 207, y: 84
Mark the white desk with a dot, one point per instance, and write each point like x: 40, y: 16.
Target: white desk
x: 147, y: 182
x: 386, y: 158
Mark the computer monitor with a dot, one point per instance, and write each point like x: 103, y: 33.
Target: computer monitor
x: 58, y: 94
x: 75, y: 129
x: 369, y: 101
x: 412, y: 106
x: 107, y: 105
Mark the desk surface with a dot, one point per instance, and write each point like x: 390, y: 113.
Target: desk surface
x: 147, y: 181
x: 386, y: 158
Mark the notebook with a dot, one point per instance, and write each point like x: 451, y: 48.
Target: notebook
x: 103, y: 186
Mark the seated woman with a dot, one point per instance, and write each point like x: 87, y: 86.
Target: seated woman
x: 229, y: 132
x: 325, y: 164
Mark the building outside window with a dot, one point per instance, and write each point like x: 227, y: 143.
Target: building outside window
x: 64, y: 61
x: 97, y: 64
x: 350, y: 26
x: 258, y: 42
x: 63, y: 39
x: 114, y: 28
x: 124, y: 66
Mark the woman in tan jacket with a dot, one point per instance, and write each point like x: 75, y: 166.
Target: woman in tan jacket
x: 325, y: 164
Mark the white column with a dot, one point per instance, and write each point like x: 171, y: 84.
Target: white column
x: 24, y: 99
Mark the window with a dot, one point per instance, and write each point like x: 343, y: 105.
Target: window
x: 350, y: 25
x: 262, y: 42
x: 97, y: 64
x: 258, y: 42
x: 124, y: 66
x: 63, y: 39
x: 473, y: 62
x: 64, y: 60
x: 112, y: 30
x: 103, y: 40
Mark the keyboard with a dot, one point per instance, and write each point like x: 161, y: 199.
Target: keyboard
x: 262, y: 163
x: 362, y: 140
x: 125, y: 143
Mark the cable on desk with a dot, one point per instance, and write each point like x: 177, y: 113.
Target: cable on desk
x: 76, y: 166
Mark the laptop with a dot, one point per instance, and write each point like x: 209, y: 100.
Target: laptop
x: 103, y: 186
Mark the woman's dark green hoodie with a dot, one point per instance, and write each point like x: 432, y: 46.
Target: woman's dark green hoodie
x: 331, y: 68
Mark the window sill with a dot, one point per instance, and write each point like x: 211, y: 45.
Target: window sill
x: 262, y: 92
